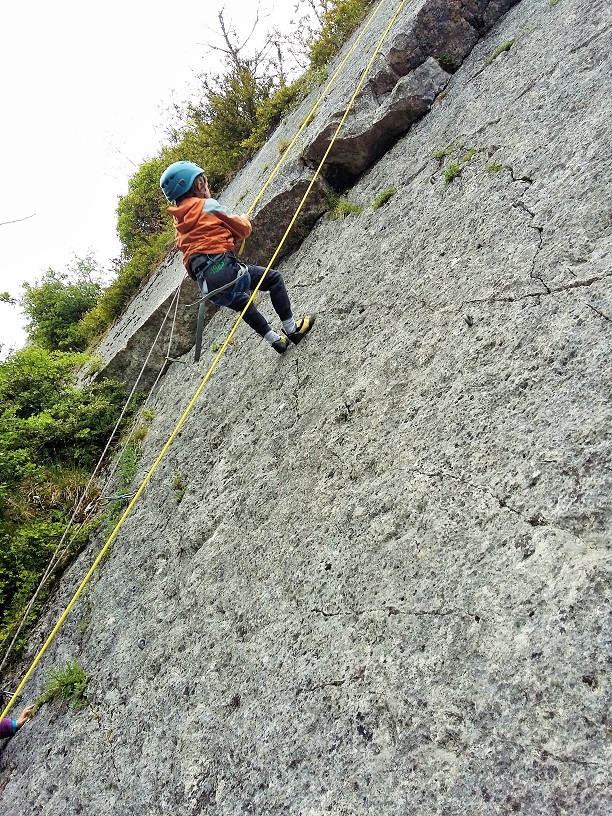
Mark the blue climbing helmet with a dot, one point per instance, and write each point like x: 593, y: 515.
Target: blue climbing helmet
x: 177, y: 179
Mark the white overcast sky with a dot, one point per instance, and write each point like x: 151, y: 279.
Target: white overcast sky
x: 84, y: 87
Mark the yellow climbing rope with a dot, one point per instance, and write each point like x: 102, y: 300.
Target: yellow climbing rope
x: 207, y: 376
x: 322, y: 96
x: 307, y: 119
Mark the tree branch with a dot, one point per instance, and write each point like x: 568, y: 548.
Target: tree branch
x: 2, y: 223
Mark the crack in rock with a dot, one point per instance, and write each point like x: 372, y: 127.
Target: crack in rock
x: 550, y: 291
x: 359, y: 675
x: 536, y: 519
x: 599, y: 312
x: 570, y: 761
x: 586, y: 43
x: 515, y: 179
x: 394, y: 610
x: 540, y: 230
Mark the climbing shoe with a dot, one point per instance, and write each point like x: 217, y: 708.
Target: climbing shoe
x: 281, y: 345
x: 302, y: 327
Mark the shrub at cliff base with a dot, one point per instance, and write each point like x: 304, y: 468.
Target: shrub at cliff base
x: 51, y: 435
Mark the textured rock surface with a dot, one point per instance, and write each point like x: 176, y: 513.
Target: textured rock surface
x: 386, y: 587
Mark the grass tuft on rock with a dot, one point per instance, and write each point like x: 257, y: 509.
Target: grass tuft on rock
x: 69, y: 684
x: 383, y: 197
x: 505, y: 47
x: 340, y: 208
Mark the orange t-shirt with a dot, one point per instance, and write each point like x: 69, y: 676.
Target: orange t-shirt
x: 207, y: 227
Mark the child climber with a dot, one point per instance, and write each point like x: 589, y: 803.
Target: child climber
x: 207, y: 234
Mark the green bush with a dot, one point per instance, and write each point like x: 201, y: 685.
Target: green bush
x: 128, y: 463
x: 179, y: 486
x: 55, y: 306
x: 271, y: 110
x: 51, y: 435
x: 444, y: 151
x: 449, y: 62
x: 340, y: 19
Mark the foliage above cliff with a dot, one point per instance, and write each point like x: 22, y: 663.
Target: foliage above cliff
x: 339, y: 20
x: 232, y: 118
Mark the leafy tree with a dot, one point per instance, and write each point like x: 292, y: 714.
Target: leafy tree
x: 55, y: 306
x: 142, y: 212
x: 46, y: 420
x: 339, y: 19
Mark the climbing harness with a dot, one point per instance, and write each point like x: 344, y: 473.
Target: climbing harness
x: 221, y: 267
x: 208, y: 374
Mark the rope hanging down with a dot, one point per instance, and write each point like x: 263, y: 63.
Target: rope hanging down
x: 61, y: 550
x: 202, y: 385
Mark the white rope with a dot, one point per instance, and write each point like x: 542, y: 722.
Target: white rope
x: 57, y: 555
x: 178, y: 297
x: 139, y: 416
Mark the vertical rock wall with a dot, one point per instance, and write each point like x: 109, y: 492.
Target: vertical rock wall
x: 372, y: 576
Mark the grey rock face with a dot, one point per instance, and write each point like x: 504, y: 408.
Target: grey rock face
x: 385, y: 589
